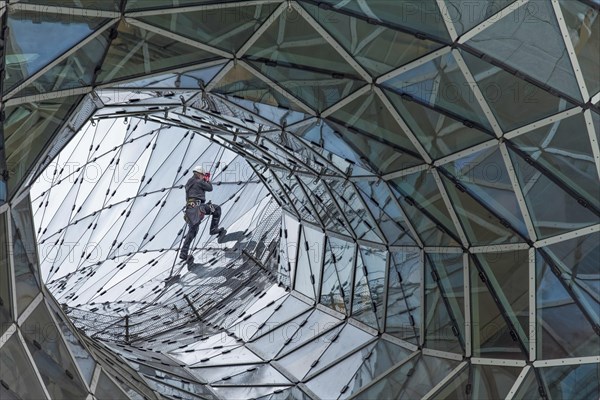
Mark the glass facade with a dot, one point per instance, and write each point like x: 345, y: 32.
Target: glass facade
x: 410, y: 191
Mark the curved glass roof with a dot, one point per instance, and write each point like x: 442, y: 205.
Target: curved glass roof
x: 410, y: 188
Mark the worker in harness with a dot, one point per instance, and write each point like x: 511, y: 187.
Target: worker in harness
x: 196, y: 208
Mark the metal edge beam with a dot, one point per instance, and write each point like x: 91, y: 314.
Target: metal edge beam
x: 86, y: 12
x: 532, y: 307
x: 48, y: 96
x: 491, y: 20
x: 514, y: 180
x: 543, y: 122
x: 329, y: 39
x: 587, y: 114
x: 467, y: 304
x: 277, y: 88
x: 402, y: 124
x: 517, y: 384
x: 384, y: 376
x: 204, y: 7
x: 259, y: 32
x: 442, y: 384
x: 344, y: 101
x: 567, y: 236
x: 470, y: 79
x: 33, y: 364
x: 463, y: 153
x: 566, y: 361
x: 447, y: 19
x: 116, y: 85
x: 30, y: 308
x: 564, y: 30
x: 179, y: 38
x: 413, y: 64
x: 450, y: 208
x: 498, y: 362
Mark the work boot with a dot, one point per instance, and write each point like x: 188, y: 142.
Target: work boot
x: 218, y: 231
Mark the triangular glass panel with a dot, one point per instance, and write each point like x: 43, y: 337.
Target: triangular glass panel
x: 404, y: 295
x: 555, y: 338
x: 25, y: 54
x: 386, y: 212
x: 220, y: 27
x: 334, y: 147
x: 481, y: 226
x: 563, y: 214
x: 579, y: 258
x: 374, y: 265
x: 514, y: 102
x: 508, y: 273
x: 485, y: 175
x: 292, y: 41
x: 583, y: 26
x: 368, y: 115
x: 431, y: 233
x: 51, y: 356
x: 136, y: 51
x: 424, y: 193
x: 317, y: 89
x: 354, y: 210
x: 564, y: 149
x: 18, y: 376
x: 440, y: 134
x: 464, y: 15
x: 294, y: 191
x: 241, y: 83
x: 380, y: 49
x: 340, y: 264
x: 332, y: 293
x: 193, y: 79
x: 366, y: 306
x: 75, y: 71
x: 491, y: 336
x: 377, y: 155
x: 440, y: 84
x: 579, y: 381
x: 444, y: 302
x: 308, y: 270
x: 323, y: 204
x: 527, y: 27
x: 421, y: 16
x: 28, y: 129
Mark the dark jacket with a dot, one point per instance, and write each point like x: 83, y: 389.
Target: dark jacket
x: 195, y: 188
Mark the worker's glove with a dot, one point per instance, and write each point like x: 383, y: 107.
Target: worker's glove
x: 207, y: 177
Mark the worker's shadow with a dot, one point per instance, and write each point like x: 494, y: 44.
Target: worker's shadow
x: 235, y: 243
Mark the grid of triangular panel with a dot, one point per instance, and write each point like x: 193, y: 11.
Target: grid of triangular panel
x: 421, y: 218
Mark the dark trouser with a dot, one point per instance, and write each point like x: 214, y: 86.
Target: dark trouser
x: 194, y: 216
